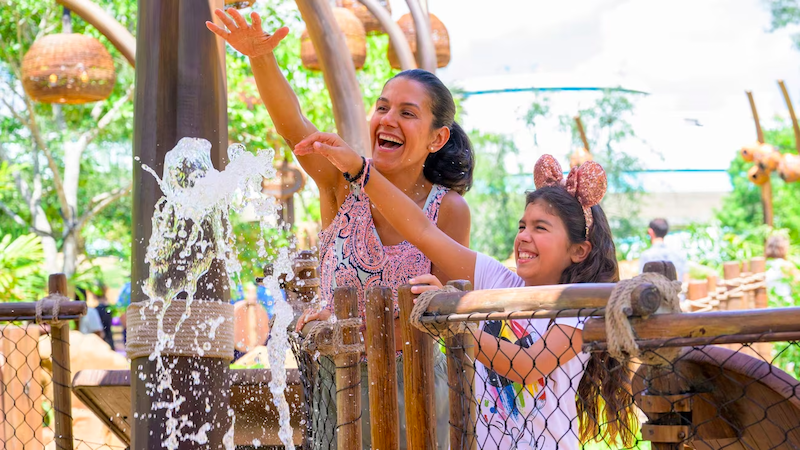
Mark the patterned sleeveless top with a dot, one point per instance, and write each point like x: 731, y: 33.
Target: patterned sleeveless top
x: 351, y: 252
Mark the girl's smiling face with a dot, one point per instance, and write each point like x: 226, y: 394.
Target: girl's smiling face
x: 542, y: 247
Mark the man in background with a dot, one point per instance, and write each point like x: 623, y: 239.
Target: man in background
x: 659, y: 251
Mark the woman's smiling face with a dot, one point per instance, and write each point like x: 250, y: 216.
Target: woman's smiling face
x: 401, y: 127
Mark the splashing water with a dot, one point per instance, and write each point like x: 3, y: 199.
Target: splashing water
x: 192, y: 230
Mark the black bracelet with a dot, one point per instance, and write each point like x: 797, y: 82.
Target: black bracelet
x: 358, y: 175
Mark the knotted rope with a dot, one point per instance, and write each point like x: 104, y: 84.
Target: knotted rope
x: 437, y: 329
x: 56, y: 300
x: 206, y: 329
x: 621, y: 338
x: 327, y: 339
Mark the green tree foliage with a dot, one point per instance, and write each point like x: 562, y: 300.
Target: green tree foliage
x: 495, y: 201
x: 785, y: 14
x: 20, y: 268
x: 72, y: 162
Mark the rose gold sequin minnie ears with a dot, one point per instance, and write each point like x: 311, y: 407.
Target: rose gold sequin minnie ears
x: 587, y: 182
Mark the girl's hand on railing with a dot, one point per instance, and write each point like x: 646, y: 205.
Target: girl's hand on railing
x: 250, y: 40
x: 309, y: 316
x: 424, y: 283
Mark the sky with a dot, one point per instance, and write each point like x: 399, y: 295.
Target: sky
x: 694, y: 58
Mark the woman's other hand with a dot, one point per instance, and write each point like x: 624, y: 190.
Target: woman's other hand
x: 424, y: 283
x: 332, y: 147
x: 250, y: 40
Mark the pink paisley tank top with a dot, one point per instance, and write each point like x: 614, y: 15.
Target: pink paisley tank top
x: 351, y: 252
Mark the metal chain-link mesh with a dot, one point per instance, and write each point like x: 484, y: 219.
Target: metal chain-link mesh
x: 26, y: 406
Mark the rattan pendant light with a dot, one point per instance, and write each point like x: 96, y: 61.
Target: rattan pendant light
x: 354, y: 34
x: 441, y: 40
x: 68, y: 68
x: 371, y: 24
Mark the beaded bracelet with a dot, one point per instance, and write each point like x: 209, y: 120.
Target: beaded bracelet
x: 352, y: 179
x: 365, y: 178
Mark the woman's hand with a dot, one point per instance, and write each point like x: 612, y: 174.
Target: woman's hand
x: 309, y: 316
x: 250, y: 40
x: 425, y: 283
x: 332, y: 147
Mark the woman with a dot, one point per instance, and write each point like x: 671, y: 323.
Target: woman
x: 417, y: 146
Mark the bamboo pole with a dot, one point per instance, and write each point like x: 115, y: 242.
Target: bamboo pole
x: 426, y: 51
x: 118, y: 35
x: 460, y: 376
x: 348, y: 375
x: 582, y: 133
x: 766, y: 188
x: 645, y: 300
x: 399, y: 42
x: 62, y: 375
x: 27, y: 311
x: 703, y: 325
x: 339, y: 73
x: 382, y: 369
x: 789, y: 105
x: 418, y: 377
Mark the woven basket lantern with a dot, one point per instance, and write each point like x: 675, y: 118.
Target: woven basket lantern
x: 354, y: 34
x: 441, y: 41
x: 370, y: 22
x: 68, y: 68
x: 239, y: 4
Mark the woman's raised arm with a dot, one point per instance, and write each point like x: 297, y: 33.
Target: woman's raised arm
x: 281, y: 102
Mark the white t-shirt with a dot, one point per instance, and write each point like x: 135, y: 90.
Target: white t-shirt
x: 90, y: 323
x: 542, y: 415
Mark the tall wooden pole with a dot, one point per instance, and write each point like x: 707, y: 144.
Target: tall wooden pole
x: 348, y: 375
x: 789, y: 105
x: 399, y: 42
x: 339, y: 73
x: 766, y: 188
x: 426, y: 51
x: 180, y: 92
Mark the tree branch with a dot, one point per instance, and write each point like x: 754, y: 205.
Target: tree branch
x: 101, y: 202
x: 104, y: 121
x: 17, y: 218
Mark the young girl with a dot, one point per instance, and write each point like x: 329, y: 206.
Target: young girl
x: 535, y: 388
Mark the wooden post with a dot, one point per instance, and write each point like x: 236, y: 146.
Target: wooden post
x: 712, y: 291
x: 418, y: 377
x: 426, y: 51
x: 582, y: 132
x: 766, y: 188
x: 697, y: 289
x: 789, y: 105
x: 730, y: 271
x: 761, y: 301
x: 339, y: 74
x: 348, y: 375
x: 181, y: 92
x: 460, y: 378
x: 382, y: 369
x: 62, y: 375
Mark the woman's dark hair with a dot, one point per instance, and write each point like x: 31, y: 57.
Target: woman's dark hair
x: 604, y: 393
x: 453, y: 164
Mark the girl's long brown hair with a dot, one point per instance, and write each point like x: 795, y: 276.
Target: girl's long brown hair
x: 605, y: 401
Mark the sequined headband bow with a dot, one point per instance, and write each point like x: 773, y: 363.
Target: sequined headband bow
x: 587, y: 182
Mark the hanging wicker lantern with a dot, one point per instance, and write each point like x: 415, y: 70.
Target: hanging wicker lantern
x: 441, y: 40
x: 370, y: 22
x: 757, y: 175
x: 68, y: 68
x: 354, y: 34
x: 789, y: 168
x: 239, y: 4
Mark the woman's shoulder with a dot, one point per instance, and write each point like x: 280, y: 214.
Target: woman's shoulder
x: 454, y: 206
